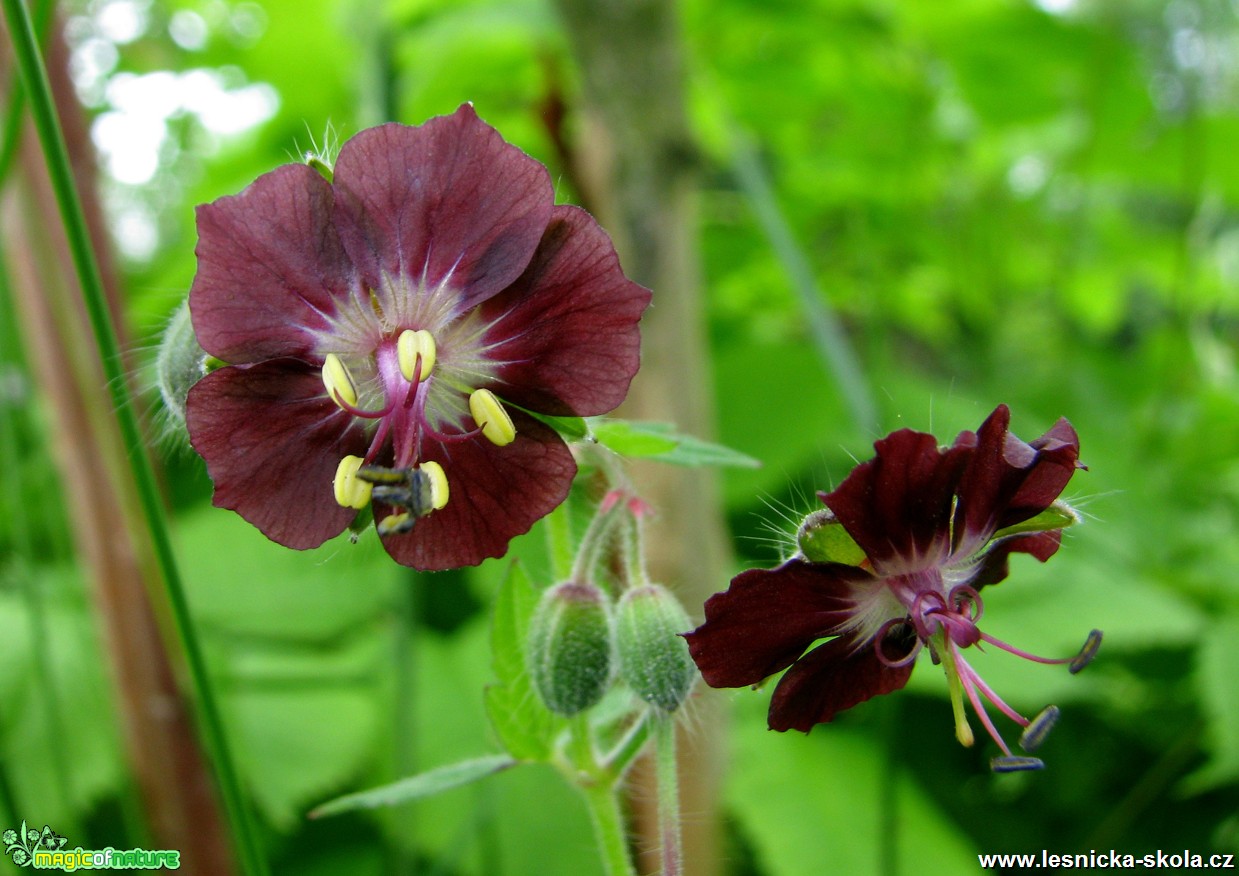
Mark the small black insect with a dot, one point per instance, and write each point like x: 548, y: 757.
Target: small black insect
x: 419, y: 490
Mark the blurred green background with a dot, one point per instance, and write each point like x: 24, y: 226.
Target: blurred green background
x: 999, y: 201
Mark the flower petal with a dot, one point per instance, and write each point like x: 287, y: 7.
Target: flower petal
x: 995, y: 562
x: 766, y: 619
x: 897, y: 506
x: 566, y: 330
x: 269, y: 266
x: 1007, y: 481
x: 495, y: 494
x: 448, y: 198
x: 831, y: 678
x: 272, y: 441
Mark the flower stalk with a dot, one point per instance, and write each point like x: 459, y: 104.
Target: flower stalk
x: 667, y: 768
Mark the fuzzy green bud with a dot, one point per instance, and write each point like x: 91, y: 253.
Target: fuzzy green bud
x: 179, y: 364
x: 569, y: 647
x: 822, y: 539
x: 653, y: 656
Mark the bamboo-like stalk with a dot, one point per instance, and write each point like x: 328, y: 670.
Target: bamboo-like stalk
x: 630, y: 53
x: 99, y: 444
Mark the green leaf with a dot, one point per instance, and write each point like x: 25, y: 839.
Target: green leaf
x: 280, y: 594
x: 1219, y: 695
x: 569, y: 428
x: 659, y: 441
x: 426, y: 784
x: 277, y: 693
x: 809, y: 804
x: 525, y: 727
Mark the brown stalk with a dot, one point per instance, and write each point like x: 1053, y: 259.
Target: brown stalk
x: 643, y: 184
x: 174, y: 784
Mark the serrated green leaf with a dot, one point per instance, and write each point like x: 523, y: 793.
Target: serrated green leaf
x: 659, y: 441
x: 513, y: 608
x: 524, y: 726
x: 1219, y: 696
x: 417, y: 787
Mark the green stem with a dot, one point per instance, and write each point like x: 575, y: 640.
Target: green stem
x: 668, y: 795
x: 43, y: 111
x: 828, y: 335
x: 617, y: 762
x: 604, y: 811
x: 594, y: 542
x: 600, y: 787
x: 16, y: 105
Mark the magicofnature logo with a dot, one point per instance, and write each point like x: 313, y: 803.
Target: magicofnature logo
x: 22, y: 844
x: 45, y: 850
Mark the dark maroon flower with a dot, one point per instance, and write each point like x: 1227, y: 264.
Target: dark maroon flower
x: 388, y: 332
x: 896, y: 563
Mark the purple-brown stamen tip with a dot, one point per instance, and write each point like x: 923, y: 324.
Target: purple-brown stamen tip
x: 1039, y: 728
x: 1014, y: 764
x: 1087, y: 653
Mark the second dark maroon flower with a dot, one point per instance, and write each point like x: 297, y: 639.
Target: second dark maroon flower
x: 893, y: 565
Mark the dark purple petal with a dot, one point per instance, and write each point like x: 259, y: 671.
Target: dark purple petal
x: 494, y: 495
x: 1058, y: 458
x: 272, y: 441
x: 766, y: 619
x: 833, y: 677
x: 566, y: 330
x: 897, y: 506
x: 1007, y: 481
x: 269, y: 265
x: 994, y: 565
x: 449, y: 197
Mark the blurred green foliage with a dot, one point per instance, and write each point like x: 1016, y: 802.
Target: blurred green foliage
x: 1000, y: 203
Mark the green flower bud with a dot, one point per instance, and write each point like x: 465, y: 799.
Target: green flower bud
x: 180, y: 364
x: 569, y: 647
x: 653, y: 656
x: 822, y: 539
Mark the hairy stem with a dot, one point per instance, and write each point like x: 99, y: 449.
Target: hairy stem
x: 604, y: 812
x: 668, y: 795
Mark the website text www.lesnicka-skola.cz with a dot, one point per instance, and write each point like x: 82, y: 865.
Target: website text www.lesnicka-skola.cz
x: 1109, y: 860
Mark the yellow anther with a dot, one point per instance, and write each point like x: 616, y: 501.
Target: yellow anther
x: 413, y: 345
x: 351, y: 491
x: 438, y: 483
x: 338, y: 381
x: 396, y: 524
x: 491, y: 418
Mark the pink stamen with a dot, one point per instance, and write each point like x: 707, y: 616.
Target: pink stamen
x: 359, y: 412
x: 965, y: 669
x: 1011, y: 649
x: 881, y: 637
x: 967, y: 679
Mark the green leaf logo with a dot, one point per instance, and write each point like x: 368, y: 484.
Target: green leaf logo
x: 22, y: 843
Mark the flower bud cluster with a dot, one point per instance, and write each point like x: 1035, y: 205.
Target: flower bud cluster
x: 579, y: 643
x: 581, y: 640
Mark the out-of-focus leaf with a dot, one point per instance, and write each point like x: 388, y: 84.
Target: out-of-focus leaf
x: 426, y: 784
x: 91, y: 750
x: 1218, y: 683
x: 255, y: 587
x: 809, y: 804
x: 660, y: 442
x: 303, y: 722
